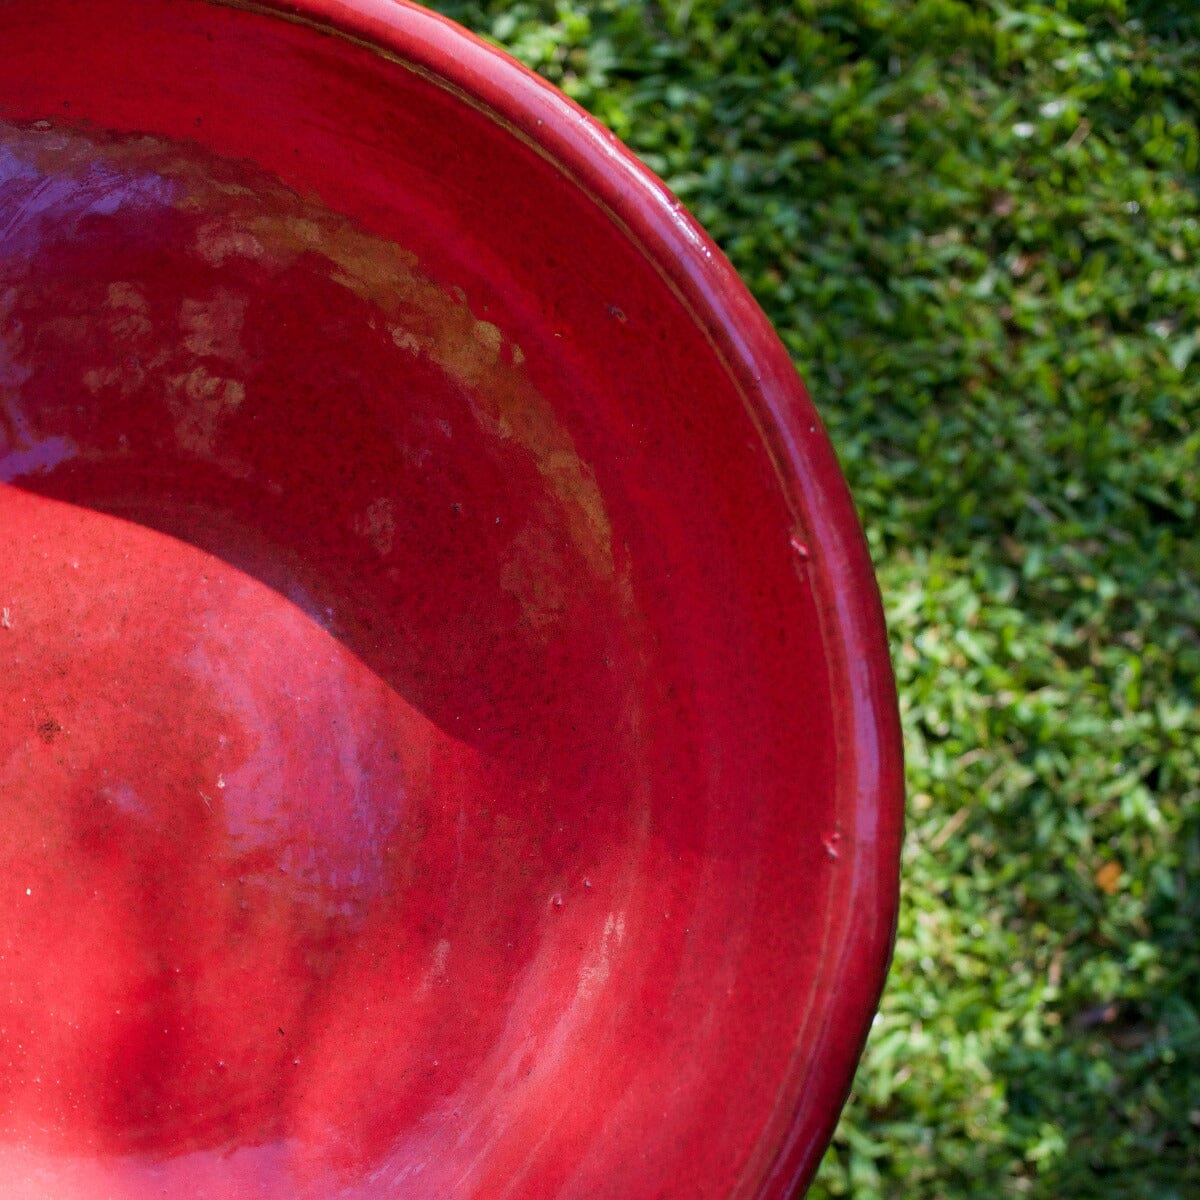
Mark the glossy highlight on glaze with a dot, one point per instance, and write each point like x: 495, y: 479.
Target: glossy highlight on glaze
x: 420, y: 750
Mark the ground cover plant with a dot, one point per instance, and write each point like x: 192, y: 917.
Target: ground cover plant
x: 976, y: 227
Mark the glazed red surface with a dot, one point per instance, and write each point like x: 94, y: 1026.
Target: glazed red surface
x: 447, y: 740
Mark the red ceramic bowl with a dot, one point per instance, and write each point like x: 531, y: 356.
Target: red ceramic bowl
x: 448, y: 747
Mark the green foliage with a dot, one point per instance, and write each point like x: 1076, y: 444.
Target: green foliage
x: 976, y: 226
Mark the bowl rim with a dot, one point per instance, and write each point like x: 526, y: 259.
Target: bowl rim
x: 829, y: 538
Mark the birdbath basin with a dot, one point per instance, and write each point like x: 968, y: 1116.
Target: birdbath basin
x: 447, y: 741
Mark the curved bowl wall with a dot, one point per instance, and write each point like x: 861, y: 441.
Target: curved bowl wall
x: 447, y: 739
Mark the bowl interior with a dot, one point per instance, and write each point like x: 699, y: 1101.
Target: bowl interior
x: 421, y: 738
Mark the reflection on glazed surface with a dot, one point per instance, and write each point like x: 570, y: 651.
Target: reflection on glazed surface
x: 305, y: 595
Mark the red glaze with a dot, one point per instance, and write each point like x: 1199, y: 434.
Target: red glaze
x: 447, y: 741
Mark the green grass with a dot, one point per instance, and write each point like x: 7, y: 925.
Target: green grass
x: 976, y: 226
